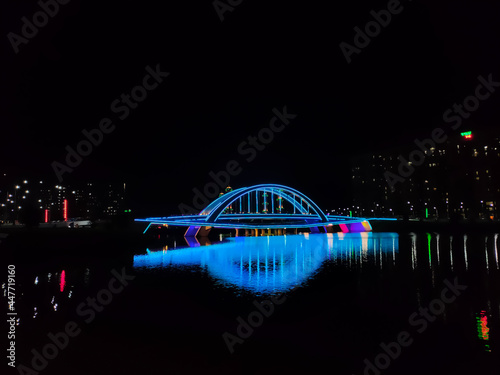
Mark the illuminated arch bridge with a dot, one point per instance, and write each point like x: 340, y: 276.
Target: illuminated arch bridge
x: 263, y: 207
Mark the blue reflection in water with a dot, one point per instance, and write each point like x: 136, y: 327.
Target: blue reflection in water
x: 275, y: 263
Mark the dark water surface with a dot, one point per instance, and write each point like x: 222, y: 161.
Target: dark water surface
x: 339, y: 299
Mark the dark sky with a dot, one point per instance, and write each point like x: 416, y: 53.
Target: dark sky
x: 225, y: 79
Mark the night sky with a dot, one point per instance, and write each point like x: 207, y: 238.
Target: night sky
x: 225, y: 79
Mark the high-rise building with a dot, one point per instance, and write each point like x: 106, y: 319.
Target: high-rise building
x: 48, y: 202
x: 457, y: 178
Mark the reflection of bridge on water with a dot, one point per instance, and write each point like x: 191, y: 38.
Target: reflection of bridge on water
x: 277, y: 263
x: 260, y: 209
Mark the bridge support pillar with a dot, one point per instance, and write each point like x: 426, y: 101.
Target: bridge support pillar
x: 204, y: 231
x: 193, y: 231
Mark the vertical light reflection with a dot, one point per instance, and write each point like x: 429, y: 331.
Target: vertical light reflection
x: 364, y: 247
x: 429, y: 238
x: 486, y: 253
x: 451, y: 252
x: 437, y: 247
x: 465, y: 253
x: 413, y: 250
x: 266, y: 265
x: 258, y: 267
x: 330, y: 245
x: 351, y: 251
x: 380, y: 251
x: 433, y: 269
x: 394, y: 251
x: 282, y: 268
x: 62, y: 283
x: 296, y: 265
x: 496, y: 249
x: 241, y: 267
x: 274, y: 267
x: 249, y: 266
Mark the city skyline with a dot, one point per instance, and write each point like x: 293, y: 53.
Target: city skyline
x: 428, y: 189
x: 182, y: 105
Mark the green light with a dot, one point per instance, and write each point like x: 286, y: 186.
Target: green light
x: 426, y: 213
x: 465, y: 133
x: 429, y: 245
x: 350, y: 213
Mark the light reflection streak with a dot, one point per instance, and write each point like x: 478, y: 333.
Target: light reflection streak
x: 437, y: 247
x: 465, y: 253
x: 413, y: 250
x: 486, y: 253
x: 451, y: 252
x: 496, y: 249
x: 393, y: 251
x: 429, y: 247
x: 62, y: 283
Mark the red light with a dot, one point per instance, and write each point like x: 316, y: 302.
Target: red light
x: 46, y: 216
x: 62, y: 284
x: 468, y: 136
x: 484, y: 326
x: 65, y: 210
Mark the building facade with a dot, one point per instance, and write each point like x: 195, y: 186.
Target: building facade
x: 455, y: 179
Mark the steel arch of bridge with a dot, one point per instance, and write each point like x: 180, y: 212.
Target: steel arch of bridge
x: 215, y: 209
x: 213, y: 216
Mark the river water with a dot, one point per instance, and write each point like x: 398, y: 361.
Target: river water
x: 407, y: 303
